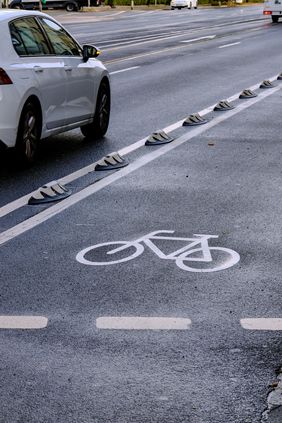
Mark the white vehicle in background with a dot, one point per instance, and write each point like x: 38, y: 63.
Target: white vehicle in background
x: 180, y: 4
x: 273, y: 8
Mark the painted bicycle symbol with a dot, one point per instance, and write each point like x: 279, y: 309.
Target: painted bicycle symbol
x: 196, y: 250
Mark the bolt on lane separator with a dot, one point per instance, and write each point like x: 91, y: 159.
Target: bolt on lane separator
x: 247, y: 94
x: 266, y: 84
x: 194, y: 119
x: 223, y: 106
x: 158, y: 138
x: 110, y: 162
x: 53, y: 191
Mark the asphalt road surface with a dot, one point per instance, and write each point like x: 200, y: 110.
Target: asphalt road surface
x: 181, y: 321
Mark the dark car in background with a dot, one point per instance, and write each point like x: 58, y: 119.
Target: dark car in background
x: 69, y: 5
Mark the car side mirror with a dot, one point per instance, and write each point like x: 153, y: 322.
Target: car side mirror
x: 90, y: 51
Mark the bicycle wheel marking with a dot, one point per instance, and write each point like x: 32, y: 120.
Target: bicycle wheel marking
x: 225, y: 265
x: 81, y: 255
x: 202, y: 259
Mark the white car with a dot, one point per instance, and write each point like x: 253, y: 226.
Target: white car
x: 179, y: 4
x: 48, y: 83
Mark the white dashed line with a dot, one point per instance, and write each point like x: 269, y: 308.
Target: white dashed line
x: 23, y: 322
x: 230, y: 45
x: 262, y: 324
x: 208, y: 37
x: 124, y: 70
x: 143, y: 323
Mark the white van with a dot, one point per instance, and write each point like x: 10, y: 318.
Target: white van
x: 273, y: 8
x: 179, y: 4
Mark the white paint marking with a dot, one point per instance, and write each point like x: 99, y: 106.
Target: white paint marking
x: 113, y: 15
x: 140, y: 13
x: 208, y: 37
x: 262, y: 324
x: 136, y: 38
x: 143, y: 323
x: 181, y: 256
x: 124, y: 70
x: 230, y: 45
x: 22, y: 201
x: 23, y: 322
x: 153, y: 39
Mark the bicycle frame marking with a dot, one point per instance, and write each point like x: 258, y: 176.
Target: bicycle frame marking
x: 198, y: 244
x: 147, y: 240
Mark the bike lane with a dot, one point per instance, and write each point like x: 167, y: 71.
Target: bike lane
x: 205, y: 367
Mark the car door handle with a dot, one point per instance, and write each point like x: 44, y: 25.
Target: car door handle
x: 38, y: 69
x: 68, y: 68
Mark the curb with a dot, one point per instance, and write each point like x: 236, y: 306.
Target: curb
x: 273, y: 413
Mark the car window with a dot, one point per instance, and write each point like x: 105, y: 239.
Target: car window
x: 28, y: 38
x: 61, y: 42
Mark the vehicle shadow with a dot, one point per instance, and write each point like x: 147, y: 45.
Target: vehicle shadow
x: 57, y: 156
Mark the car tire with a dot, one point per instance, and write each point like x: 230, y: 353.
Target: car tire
x: 99, y: 126
x: 71, y: 7
x: 275, y: 19
x: 172, y: 8
x: 28, y: 134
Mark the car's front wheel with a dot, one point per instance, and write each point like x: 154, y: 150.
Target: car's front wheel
x: 28, y: 134
x: 100, y: 123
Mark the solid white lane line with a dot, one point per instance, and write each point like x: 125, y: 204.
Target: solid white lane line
x: 143, y: 323
x: 22, y: 201
x: 23, y: 322
x: 112, y: 15
x: 262, y: 324
x: 140, y: 13
x: 118, y: 46
x: 124, y: 70
x: 46, y: 214
x: 152, y: 35
x: 137, y: 38
x: 208, y: 37
x: 230, y: 45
